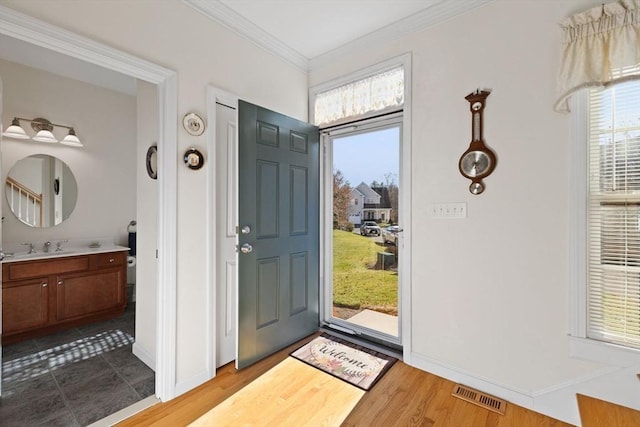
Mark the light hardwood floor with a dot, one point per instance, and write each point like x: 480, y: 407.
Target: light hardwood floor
x: 405, y: 396
x: 597, y: 413
x: 291, y: 394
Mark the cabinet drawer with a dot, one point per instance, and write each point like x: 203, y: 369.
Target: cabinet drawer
x: 27, y: 269
x: 110, y: 259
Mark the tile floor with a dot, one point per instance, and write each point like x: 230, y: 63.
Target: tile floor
x: 75, y: 377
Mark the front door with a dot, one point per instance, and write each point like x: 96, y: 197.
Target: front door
x: 278, y: 243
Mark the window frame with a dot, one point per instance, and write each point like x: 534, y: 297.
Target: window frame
x: 404, y: 297
x: 401, y: 61
x: 581, y: 346
x: 364, y: 127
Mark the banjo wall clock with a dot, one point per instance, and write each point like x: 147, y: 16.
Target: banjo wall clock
x: 478, y: 161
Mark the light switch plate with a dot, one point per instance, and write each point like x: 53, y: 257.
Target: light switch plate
x: 448, y: 210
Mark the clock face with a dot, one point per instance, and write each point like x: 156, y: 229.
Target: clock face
x: 476, y: 106
x: 475, y: 163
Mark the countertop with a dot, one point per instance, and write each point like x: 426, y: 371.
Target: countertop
x: 66, y: 252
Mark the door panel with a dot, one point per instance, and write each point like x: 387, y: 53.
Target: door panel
x: 298, y: 192
x: 86, y: 293
x: 26, y: 305
x: 267, y: 186
x: 268, y: 291
x: 279, y: 203
x: 299, y: 282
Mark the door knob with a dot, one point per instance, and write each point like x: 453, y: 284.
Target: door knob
x: 246, y: 248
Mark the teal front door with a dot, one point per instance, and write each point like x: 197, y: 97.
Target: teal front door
x: 278, y: 235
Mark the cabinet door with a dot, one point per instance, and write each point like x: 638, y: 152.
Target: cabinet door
x: 25, y: 305
x: 89, y: 293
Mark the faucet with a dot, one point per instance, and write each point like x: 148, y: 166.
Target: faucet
x: 59, y: 245
x: 31, y: 250
x: 46, y: 246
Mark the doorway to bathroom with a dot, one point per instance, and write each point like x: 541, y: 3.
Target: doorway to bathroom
x: 90, y: 356
x: 108, y: 343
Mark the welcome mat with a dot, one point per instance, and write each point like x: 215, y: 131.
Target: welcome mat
x: 350, y: 362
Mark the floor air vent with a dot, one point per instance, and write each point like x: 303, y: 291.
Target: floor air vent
x: 479, y: 398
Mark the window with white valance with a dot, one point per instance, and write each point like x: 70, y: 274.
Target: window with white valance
x: 601, y: 47
x: 601, y: 67
x: 380, y: 92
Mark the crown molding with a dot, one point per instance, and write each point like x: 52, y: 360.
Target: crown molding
x: 235, y: 22
x: 31, y: 30
x: 432, y: 15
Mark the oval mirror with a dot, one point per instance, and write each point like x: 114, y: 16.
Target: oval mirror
x: 41, y: 191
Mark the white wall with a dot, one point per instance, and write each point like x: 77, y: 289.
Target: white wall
x: 104, y: 168
x: 175, y: 36
x: 490, y: 293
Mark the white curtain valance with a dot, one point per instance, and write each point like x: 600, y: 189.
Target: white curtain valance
x: 374, y: 93
x: 601, y: 47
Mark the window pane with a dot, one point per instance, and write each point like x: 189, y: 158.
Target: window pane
x: 620, y: 234
x: 614, y: 215
x: 366, y: 232
x: 614, y: 128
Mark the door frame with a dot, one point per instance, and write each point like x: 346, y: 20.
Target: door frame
x: 214, y: 96
x: 23, y: 27
x: 364, y: 126
x: 404, y: 296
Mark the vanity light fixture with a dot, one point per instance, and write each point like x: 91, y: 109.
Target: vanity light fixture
x: 44, y: 129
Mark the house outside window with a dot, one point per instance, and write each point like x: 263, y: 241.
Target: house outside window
x: 376, y: 204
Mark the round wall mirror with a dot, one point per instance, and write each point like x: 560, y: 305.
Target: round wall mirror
x: 41, y: 191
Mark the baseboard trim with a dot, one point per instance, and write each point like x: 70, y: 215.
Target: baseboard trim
x: 519, y: 397
x: 557, y: 401
x: 607, y: 370
x: 144, y: 355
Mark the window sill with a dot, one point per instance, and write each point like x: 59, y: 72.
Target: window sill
x: 601, y: 352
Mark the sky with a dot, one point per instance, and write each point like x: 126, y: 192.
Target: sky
x: 368, y: 156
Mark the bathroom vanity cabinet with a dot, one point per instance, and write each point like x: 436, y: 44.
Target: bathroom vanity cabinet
x: 45, y: 295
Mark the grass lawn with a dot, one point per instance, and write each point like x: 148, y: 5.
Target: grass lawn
x: 356, y: 284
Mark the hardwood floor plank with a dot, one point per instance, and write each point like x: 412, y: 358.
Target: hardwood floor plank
x: 596, y: 413
x: 291, y: 394
x: 405, y: 396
